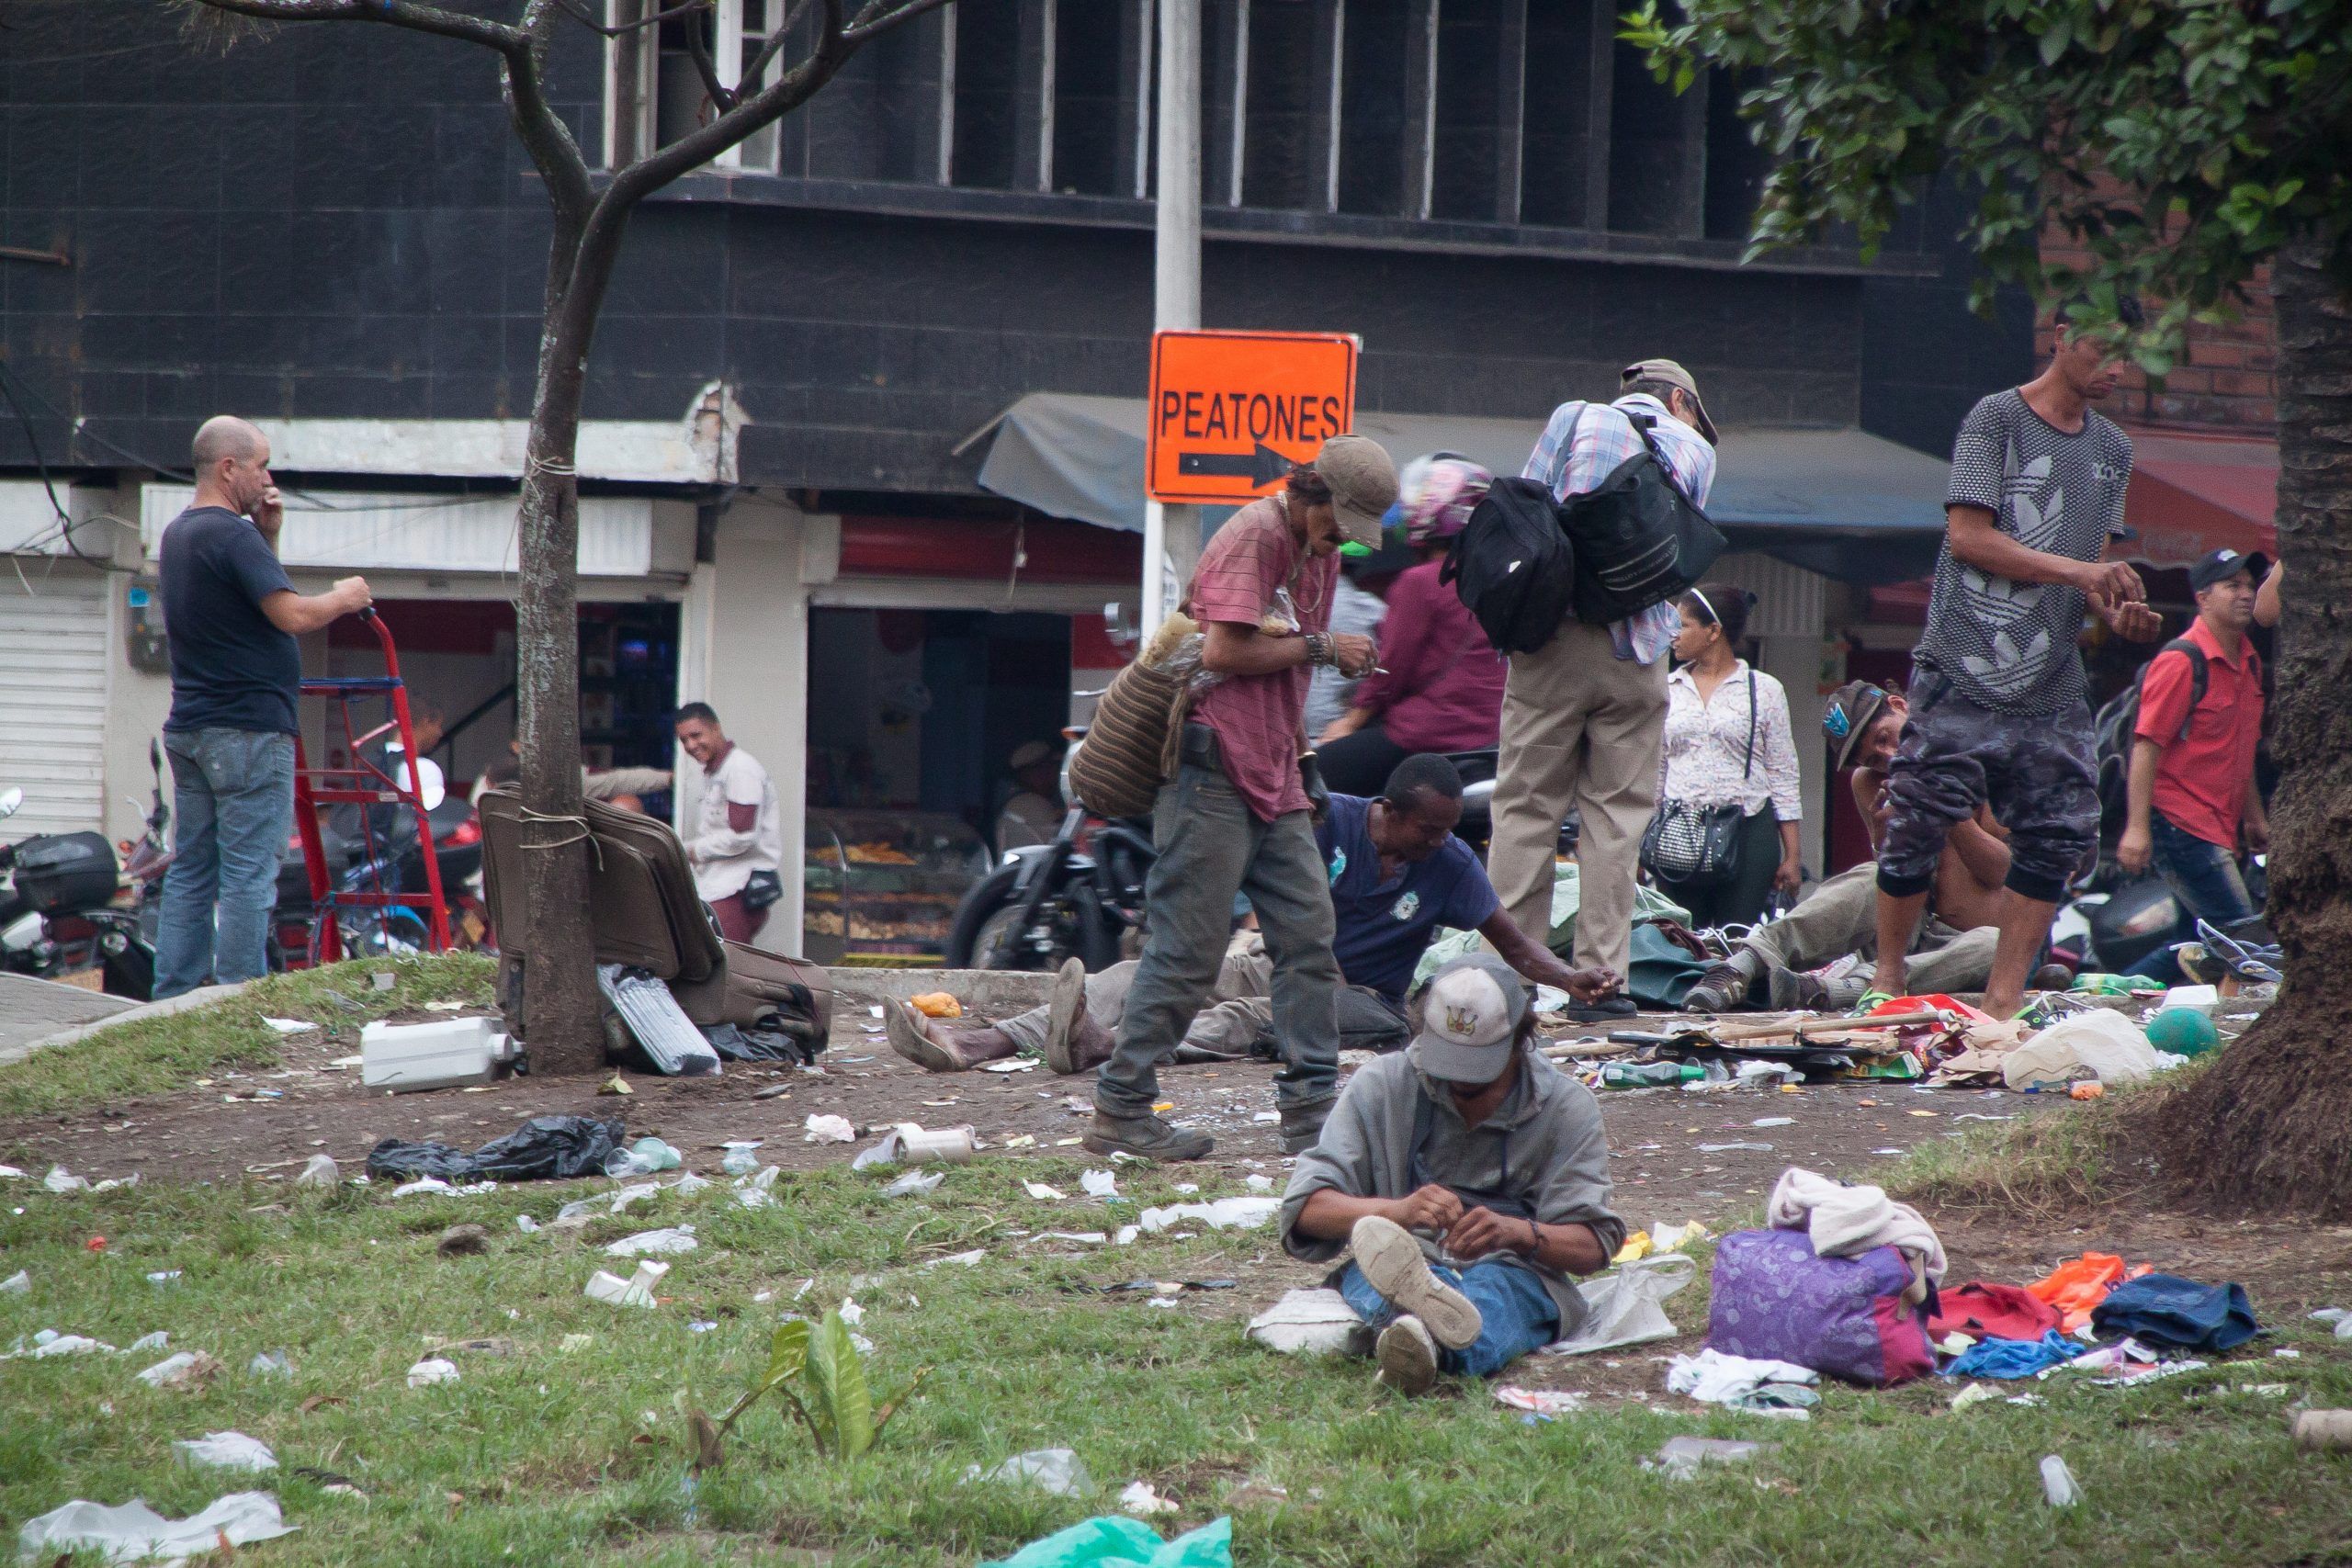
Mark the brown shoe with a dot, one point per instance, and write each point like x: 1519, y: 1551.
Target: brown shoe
x: 1302, y: 1125
x: 1145, y: 1137
x: 1065, y: 1016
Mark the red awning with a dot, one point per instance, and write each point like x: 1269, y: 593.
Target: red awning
x: 2192, y: 493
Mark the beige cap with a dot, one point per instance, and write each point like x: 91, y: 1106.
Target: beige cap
x: 1362, y: 478
x: 1673, y: 375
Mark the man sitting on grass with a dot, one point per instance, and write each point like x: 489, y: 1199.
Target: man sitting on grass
x: 1469, y: 1177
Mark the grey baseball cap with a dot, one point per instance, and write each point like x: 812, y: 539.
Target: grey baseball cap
x: 1362, y: 478
x: 1670, y: 372
x: 1851, y: 710
x: 1471, y: 1016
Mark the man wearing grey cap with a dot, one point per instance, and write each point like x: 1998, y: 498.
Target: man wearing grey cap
x: 1237, y: 817
x: 1584, y: 715
x: 1469, y: 1179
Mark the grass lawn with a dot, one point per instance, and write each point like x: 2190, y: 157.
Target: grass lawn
x: 149, y: 1055
x: 541, y: 1455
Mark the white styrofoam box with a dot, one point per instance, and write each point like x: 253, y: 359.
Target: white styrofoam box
x: 2197, y: 998
x: 441, y: 1055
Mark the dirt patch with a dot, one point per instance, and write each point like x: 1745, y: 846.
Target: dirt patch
x: 266, y: 1124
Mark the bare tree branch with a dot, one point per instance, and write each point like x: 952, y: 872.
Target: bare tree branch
x: 722, y: 96
x: 761, y: 108
x: 777, y: 38
x: 587, y: 18
x: 878, y: 16
x: 543, y: 134
x: 391, y: 13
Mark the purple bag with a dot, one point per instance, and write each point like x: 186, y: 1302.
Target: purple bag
x: 1845, y: 1317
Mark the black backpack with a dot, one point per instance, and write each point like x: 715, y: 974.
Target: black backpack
x: 2117, y: 725
x: 1639, y: 540
x: 1513, y: 566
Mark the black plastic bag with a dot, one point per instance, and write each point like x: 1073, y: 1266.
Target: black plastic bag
x: 545, y: 1149
x: 757, y: 1044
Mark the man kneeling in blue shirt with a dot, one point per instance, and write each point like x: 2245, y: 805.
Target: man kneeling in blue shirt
x: 1397, y: 874
x: 1469, y: 1177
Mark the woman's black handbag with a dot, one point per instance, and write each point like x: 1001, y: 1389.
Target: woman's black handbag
x: 764, y: 889
x: 1698, y: 846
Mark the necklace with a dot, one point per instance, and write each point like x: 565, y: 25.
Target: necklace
x: 1305, y: 555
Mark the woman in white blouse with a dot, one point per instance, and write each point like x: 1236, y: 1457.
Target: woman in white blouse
x: 1728, y: 744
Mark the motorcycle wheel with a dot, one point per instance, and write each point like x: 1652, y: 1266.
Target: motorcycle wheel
x: 985, y: 933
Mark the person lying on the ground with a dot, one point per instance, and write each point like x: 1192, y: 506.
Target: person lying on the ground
x: 1952, y: 948
x: 1396, y: 872
x: 1469, y: 1179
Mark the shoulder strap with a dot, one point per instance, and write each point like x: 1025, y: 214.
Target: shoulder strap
x: 2198, y: 678
x: 1748, y: 768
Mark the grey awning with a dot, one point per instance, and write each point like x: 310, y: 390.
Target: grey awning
x: 1839, y: 501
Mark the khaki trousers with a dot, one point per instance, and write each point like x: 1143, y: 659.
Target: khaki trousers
x: 1581, y: 728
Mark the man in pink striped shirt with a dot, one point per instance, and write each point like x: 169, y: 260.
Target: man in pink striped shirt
x: 1235, y: 816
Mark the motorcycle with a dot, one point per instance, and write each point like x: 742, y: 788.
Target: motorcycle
x: 1077, y: 897
x: 64, y: 916
x: 362, y: 858
x: 1081, y: 894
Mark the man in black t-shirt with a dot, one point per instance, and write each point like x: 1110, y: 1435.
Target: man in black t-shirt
x: 232, y: 617
x: 1998, y: 714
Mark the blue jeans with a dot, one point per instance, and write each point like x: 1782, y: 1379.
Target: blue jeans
x: 232, y: 800
x: 1517, y: 1310
x: 1210, y: 845
x: 2204, y: 877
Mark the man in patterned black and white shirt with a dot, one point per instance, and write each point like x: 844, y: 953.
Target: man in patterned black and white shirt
x: 1998, y: 711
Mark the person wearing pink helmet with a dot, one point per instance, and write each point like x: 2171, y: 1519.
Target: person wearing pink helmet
x: 1440, y: 686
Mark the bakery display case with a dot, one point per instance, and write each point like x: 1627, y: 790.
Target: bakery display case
x: 881, y: 888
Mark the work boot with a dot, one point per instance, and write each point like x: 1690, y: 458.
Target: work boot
x: 1303, y: 1124
x: 1391, y: 1262
x: 1724, y: 987
x: 1145, y: 1137
x: 1065, y: 1015
x: 1408, y: 1357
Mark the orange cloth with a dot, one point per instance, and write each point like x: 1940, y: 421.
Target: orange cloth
x: 2080, y: 1284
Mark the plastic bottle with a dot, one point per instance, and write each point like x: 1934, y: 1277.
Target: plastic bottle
x: 1650, y: 1075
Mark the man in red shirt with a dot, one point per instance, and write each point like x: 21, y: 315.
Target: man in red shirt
x: 2193, y: 795
x: 1235, y: 815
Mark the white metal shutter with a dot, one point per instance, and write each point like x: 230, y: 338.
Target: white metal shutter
x: 53, y: 698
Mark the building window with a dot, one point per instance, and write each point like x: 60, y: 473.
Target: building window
x: 1501, y: 112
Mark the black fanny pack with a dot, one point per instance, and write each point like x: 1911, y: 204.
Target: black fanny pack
x: 764, y: 889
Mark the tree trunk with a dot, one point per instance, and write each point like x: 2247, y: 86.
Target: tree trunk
x: 563, y: 1013
x: 2269, y: 1125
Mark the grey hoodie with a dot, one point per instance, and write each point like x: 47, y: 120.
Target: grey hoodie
x: 1543, y: 1147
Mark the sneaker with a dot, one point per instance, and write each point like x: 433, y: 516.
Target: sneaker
x: 1145, y: 1137
x: 1719, y: 989
x: 1616, y: 1009
x: 1793, y: 990
x: 910, y: 1037
x: 1065, y: 1013
x: 1393, y: 1265
x: 1303, y: 1126
x: 1408, y: 1356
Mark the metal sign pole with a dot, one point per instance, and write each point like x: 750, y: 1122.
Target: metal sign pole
x: 1176, y: 272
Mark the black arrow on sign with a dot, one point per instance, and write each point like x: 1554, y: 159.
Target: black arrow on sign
x: 1260, y: 468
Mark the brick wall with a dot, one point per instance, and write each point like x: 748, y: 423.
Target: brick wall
x: 2227, y: 376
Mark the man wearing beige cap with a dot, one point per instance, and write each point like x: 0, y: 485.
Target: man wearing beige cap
x: 1583, y: 715
x: 1235, y: 815
x: 1469, y: 1179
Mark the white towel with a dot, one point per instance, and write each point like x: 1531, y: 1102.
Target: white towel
x: 1848, y: 1221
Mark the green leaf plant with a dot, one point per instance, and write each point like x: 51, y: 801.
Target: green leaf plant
x: 817, y: 1372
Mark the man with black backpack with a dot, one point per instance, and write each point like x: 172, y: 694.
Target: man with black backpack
x: 2192, y: 790
x: 1584, y: 713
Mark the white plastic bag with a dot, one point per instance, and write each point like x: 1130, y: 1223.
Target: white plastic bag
x: 1628, y: 1306
x: 225, y: 1451
x: 133, y: 1531
x: 2104, y: 1045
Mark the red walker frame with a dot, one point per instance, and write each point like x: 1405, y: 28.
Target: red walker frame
x: 361, y: 782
